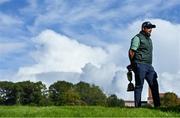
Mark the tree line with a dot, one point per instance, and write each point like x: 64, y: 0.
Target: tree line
x: 59, y: 93
x: 63, y: 93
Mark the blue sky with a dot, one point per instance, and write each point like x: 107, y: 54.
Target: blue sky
x: 85, y: 38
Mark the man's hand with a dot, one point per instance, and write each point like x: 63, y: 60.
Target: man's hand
x: 129, y: 67
x: 131, y: 55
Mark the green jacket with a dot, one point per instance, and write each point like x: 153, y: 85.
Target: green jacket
x: 143, y: 54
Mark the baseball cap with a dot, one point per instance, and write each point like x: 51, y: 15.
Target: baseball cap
x: 148, y: 24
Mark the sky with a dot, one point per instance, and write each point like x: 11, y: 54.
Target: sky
x: 87, y: 40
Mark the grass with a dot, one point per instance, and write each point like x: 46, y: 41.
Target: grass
x: 85, y: 111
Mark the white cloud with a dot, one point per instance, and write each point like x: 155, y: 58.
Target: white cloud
x: 96, y: 10
x: 6, y: 48
x: 102, y: 76
x: 59, y: 53
x: 3, y: 1
x: 147, y: 8
x: 7, y: 20
x: 31, y: 8
x: 66, y: 15
x: 169, y: 4
x: 166, y: 46
x: 10, y: 25
x: 170, y: 82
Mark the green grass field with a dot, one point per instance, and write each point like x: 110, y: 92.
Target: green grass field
x: 85, y: 111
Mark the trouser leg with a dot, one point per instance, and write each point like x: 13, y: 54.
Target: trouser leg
x: 153, y: 84
x: 139, y: 81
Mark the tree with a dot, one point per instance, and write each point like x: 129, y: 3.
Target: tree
x: 113, y: 101
x: 40, y: 94
x: 30, y: 92
x: 169, y: 99
x: 7, y: 93
x: 71, y: 97
x: 58, y: 92
x: 90, y: 94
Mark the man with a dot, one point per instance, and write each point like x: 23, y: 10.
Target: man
x: 140, y: 55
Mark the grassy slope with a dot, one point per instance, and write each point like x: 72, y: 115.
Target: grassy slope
x: 68, y: 111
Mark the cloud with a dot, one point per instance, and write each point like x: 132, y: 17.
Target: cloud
x: 102, y: 75
x: 7, y: 20
x: 170, y: 82
x: 148, y: 8
x: 10, y: 26
x: 65, y: 12
x: 6, y: 48
x: 56, y: 52
x: 100, y: 19
x: 166, y: 46
x: 4, y: 1
x: 32, y: 8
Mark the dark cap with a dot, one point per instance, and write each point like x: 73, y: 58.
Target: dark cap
x: 148, y: 24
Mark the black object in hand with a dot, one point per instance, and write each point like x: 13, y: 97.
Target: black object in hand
x: 130, y: 87
x: 129, y: 76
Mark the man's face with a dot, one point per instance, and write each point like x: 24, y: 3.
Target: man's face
x: 147, y: 30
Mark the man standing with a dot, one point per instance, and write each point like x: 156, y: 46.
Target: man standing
x: 140, y: 55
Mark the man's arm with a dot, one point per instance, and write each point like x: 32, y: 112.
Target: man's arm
x: 131, y: 55
x: 135, y: 42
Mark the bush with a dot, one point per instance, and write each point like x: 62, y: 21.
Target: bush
x: 170, y: 99
x: 113, y: 101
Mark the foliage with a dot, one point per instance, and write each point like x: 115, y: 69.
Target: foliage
x: 30, y: 93
x: 169, y: 99
x: 113, y: 101
x: 90, y: 94
x: 7, y: 93
x: 25, y: 93
x: 58, y: 92
x: 65, y: 93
